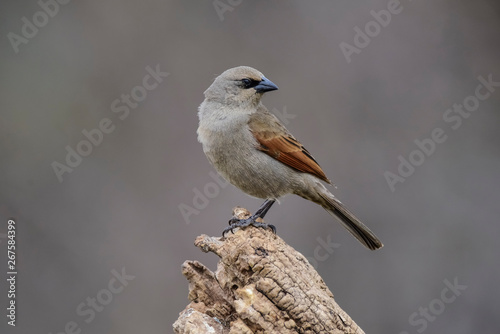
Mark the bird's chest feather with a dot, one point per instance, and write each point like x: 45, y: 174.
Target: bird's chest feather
x: 226, y: 142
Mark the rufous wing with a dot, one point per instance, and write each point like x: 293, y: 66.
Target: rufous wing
x: 277, y: 142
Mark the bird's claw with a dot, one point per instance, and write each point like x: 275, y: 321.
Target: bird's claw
x: 235, y: 222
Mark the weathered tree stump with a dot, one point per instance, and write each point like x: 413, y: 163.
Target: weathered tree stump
x: 261, y: 285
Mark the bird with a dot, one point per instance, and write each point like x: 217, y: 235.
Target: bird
x: 252, y: 149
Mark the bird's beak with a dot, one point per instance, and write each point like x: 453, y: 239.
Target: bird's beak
x: 265, y: 85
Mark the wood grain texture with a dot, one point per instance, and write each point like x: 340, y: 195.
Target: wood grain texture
x: 261, y: 285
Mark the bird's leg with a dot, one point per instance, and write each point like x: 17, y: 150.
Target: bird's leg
x: 261, y: 212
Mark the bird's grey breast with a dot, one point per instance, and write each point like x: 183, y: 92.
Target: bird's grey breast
x: 225, y: 138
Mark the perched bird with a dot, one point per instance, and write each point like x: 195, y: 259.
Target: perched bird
x: 251, y: 149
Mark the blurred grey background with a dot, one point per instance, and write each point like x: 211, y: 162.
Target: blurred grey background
x: 121, y: 207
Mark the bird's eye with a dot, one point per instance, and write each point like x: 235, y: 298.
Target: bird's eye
x: 249, y: 83
x: 246, y: 82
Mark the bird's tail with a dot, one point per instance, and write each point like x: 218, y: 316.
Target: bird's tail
x: 350, y: 222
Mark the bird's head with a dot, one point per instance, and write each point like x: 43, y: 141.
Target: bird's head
x: 240, y: 85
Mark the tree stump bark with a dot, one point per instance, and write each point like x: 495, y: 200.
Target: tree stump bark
x: 261, y: 285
